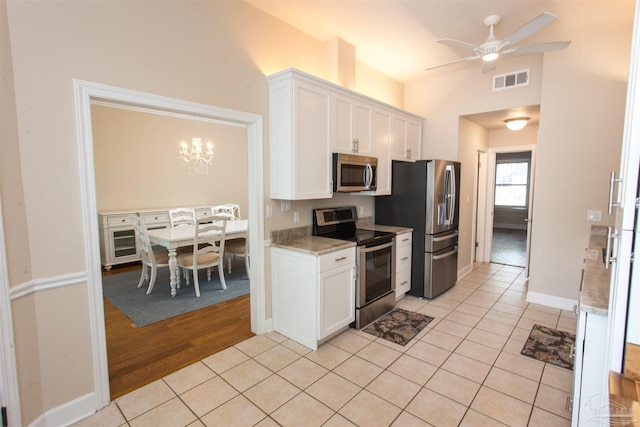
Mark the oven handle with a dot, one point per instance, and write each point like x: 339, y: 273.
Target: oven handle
x: 375, y: 247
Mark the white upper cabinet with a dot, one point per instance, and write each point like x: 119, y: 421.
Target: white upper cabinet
x: 406, y: 138
x: 309, y: 119
x: 382, y: 150
x: 299, y: 137
x: 352, y: 125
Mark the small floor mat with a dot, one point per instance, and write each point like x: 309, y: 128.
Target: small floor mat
x: 398, y: 326
x: 550, y: 345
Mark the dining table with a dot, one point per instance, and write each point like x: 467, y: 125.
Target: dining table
x: 173, y: 238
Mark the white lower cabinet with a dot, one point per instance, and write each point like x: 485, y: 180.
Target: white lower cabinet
x: 590, y: 396
x: 313, y: 295
x: 403, y: 264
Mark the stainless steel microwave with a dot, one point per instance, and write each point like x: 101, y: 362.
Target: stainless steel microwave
x: 352, y: 173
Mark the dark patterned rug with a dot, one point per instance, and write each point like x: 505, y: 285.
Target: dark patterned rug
x: 551, y: 346
x: 398, y: 325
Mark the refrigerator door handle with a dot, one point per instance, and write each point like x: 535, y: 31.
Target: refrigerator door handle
x: 454, y: 251
x: 453, y: 193
x: 447, y: 237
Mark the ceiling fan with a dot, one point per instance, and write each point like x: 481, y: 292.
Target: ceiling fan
x: 493, y: 48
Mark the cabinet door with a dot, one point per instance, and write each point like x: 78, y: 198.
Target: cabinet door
x: 382, y: 150
x: 123, y: 248
x: 399, y: 138
x: 352, y: 126
x: 312, y: 142
x: 414, y: 140
x: 336, y: 300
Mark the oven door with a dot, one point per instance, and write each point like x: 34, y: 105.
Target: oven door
x: 376, y: 272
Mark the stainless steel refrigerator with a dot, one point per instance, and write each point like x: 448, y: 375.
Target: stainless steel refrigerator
x: 424, y: 196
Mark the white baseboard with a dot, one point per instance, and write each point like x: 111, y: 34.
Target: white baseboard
x: 68, y: 413
x: 551, y: 300
x: 465, y: 270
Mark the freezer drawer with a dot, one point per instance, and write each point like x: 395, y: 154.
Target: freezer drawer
x: 440, y: 271
x: 438, y: 242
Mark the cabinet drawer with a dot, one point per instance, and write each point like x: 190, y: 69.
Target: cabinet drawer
x: 118, y: 220
x: 202, y: 213
x: 403, y: 240
x: 155, y: 217
x: 403, y: 282
x: 403, y: 257
x: 337, y: 259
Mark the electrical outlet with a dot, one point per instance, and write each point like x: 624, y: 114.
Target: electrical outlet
x: 296, y: 216
x: 593, y: 254
x: 269, y: 211
x: 285, y: 205
x: 361, y: 210
x: 594, y: 216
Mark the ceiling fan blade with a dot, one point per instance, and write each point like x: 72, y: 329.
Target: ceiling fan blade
x: 488, y: 66
x: 531, y: 27
x: 469, y: 58
x: 536, y: 48
x: 458, y: 43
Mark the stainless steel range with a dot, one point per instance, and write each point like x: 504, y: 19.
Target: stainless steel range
x: 375, y: 258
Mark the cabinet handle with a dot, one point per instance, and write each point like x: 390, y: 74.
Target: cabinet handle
x: 406, y: 239
x: 408, y: 153
x: 612, y: 182
x: 404, y: 258
x: 354, y: 145
x: 342, y: 258
x: 404, y: 283
x: 608, y: 259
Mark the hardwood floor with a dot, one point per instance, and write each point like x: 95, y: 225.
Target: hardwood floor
x: 509, y: 247
x: 139, y: 356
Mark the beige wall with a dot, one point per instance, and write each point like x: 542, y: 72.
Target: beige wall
x: 582, y: 103
x: 215, y: 53
x: 137, y: 166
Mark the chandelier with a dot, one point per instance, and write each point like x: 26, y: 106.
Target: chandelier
x: 194, y: 157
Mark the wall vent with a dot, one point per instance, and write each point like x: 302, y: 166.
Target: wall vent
x: 510, y: 80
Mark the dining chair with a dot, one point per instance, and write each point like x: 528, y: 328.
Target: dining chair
x: 208, y: 250
x: 238, y: 247
x: 181, y: 216
x: 151, y: 259
x: 233, y: 247
x: 225, y: 210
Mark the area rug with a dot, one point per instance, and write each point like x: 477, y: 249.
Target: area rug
x: 550, y: 345
x: 122, y: 291
x: 398, y: 326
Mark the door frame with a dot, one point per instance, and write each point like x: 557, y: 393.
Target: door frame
x: 480, y: 214
x: 84, y: 92
x: 485, y: 236
x: 9, y: 390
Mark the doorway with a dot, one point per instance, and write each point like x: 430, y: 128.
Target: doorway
x: 511, y: 208
x: 493, y: 215
x: 84, y: 92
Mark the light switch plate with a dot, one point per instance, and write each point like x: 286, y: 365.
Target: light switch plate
x: 285, y: 205
x: 296, y: 216
x: 269, y: 211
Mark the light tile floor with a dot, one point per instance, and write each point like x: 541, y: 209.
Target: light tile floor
x: 464, y: 369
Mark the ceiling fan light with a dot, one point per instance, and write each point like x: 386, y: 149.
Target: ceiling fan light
x: 492, y: 56
x: 516, y: 123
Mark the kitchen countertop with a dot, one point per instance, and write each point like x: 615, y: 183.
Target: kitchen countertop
x: 387, y: 228
x: 594, y: 296
x: 314, y: 245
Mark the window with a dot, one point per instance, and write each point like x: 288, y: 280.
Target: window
x: 511, y: 184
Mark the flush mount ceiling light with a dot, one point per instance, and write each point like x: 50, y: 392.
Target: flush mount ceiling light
x: 516, y: 123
